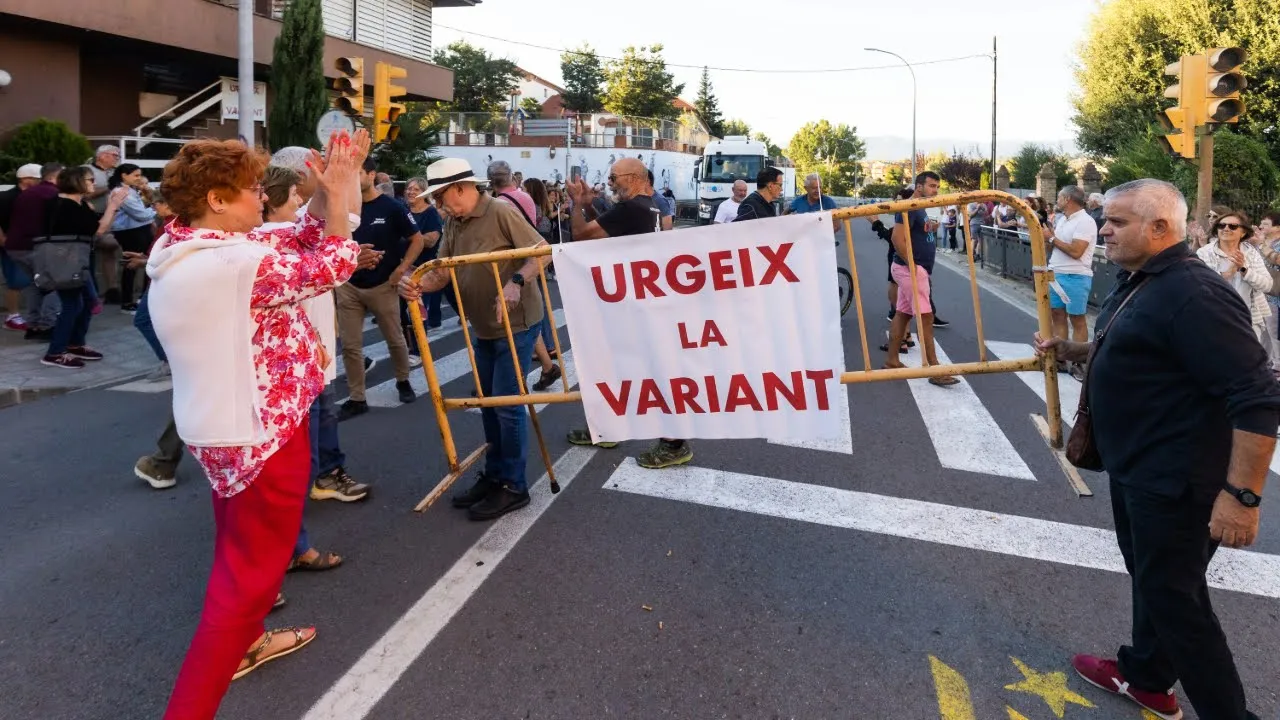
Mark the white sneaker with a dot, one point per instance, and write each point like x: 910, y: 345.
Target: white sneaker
x: 415, y: 360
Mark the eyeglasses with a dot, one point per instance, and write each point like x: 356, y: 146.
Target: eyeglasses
x: 1229, y: 226
x: 614, y: 178
x: 255, y: 189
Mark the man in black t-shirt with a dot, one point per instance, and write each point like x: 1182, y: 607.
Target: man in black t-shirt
x: 633, y: 214
x: 384, y: 224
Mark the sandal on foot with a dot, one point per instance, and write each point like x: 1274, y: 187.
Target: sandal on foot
x: 324, y: 561
x: 256, y: 658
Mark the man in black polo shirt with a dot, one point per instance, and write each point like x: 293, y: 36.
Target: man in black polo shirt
x: 1184, y: 412
x: 633, y: 214
x: 759, y: 204
x: 384, y: 224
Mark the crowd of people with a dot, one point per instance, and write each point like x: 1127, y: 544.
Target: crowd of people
x: 308, y: 245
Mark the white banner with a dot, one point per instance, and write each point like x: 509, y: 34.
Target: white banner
x: 231, y: 100
x: 723, y: 331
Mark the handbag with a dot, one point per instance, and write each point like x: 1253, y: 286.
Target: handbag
x: 1081, y: 449
x: 61, y: 262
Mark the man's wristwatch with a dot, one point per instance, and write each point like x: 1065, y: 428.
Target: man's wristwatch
x: 518, y: 279
x: 1247, y: 498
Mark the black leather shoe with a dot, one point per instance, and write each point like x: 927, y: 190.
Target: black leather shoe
x: 497, y: 503
x: 352, y: 408
x: 477, y: 492
x: 405, y: 391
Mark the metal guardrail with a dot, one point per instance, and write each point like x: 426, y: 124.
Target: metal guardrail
x: 1009, y: 253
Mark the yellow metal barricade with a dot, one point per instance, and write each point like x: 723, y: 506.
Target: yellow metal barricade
x: 441, y: 404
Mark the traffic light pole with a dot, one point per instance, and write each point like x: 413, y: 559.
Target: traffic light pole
x: 1204, y: 184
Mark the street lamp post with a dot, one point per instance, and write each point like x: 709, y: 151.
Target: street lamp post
x: 913, y: 106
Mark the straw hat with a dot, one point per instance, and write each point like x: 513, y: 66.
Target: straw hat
x: 446, y: 172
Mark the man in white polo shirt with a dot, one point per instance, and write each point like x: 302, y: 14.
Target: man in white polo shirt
x: 1071, y: 242
x: 727, y: 211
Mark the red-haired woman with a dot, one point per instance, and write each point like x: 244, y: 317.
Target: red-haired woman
x: 246, y: 365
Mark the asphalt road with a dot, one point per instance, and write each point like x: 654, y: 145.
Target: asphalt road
x: 942, y: 566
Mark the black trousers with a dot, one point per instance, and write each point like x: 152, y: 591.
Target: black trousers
x: 1176, y: 635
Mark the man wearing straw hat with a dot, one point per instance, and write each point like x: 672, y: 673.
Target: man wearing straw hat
x: 478, y: 224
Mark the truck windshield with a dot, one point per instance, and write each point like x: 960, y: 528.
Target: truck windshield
x: 727, y: 168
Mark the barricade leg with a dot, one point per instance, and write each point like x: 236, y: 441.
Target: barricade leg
x: 857, y: 291
x: 456, y: 469
x: 515, y: 360
x: 973, y: 283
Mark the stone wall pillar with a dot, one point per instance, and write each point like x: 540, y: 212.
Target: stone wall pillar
x: 1047, y: 183
x: 1090, y: 180
x: 1002, y: 179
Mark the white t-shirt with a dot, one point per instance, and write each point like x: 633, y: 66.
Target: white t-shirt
x: 1077, y: 226
x: 727, y: 211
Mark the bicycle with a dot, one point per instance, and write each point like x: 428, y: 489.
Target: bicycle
x: 844, y: 283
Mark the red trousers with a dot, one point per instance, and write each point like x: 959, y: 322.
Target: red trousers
x: 256, y: 532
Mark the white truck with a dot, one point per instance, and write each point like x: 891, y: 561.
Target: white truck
x: 736, y: 157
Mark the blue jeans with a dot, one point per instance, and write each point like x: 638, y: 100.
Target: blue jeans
x: 505, y: 427
x: 73, y: 321
x: 142, y: 321
x: 326, y: 453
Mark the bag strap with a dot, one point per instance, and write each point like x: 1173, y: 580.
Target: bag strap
x: 513, y: 201
x: 1088, y: 372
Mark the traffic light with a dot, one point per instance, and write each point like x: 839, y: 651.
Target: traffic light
x: 385, y: 112
x: 1223, y: 84
x: 350, y: 85
x: 1181, y: 120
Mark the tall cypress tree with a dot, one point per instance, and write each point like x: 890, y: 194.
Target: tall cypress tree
x: 708, y: 107
x: 297, y: 73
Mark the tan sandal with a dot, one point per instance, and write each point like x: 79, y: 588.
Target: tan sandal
x: 257, y: 659
x: 943, y: 380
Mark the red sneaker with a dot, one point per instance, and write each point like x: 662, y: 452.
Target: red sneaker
x: 15, y: 322
x: 1106, y: 675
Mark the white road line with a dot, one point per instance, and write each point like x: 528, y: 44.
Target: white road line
x: 356, y: 693
x: 1236, y: 570
x: 963, y: 432
x: 1068, y: 387
x: 571, y: 373
x: 843, y: 445
x: 145, y: 386
x: 449, y: 368
x: 379, y: 350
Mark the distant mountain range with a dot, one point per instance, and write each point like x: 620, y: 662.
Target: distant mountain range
x: 892, y: 148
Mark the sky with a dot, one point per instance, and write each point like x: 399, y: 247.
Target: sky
x: 1037, y: 45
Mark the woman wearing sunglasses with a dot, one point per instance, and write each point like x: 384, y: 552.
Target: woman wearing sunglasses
x: 1241, y: 265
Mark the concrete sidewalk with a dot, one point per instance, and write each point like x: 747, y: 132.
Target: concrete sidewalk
x: 126, y: 357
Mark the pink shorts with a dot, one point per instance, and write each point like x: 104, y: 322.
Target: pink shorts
x: 902, y: 276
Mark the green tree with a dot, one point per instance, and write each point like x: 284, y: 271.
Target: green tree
x: 736, y: 127
x: 481, y: 82
x: 297, y: 74
x: 773, y: 150
x: 639, y: 84
x: 879, y: 190
x: 584, y: 79
x: 531, y: 107
x: 414, y: 148
x: 961, y: 173
x: 1027, y: 163
x: 896, y: 175
x: 832, y: 151
x: 707, y: 107
x: 40, y: 141
x: 1120, y: 70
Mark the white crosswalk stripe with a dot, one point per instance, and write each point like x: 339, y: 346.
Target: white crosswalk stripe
x: 379, y: 351
x: 449, y: 368
x: 1045, y: 540
x: 1068, y: 387
x: 964, y: 434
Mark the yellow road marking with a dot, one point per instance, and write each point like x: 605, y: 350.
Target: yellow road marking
x: 1050, y: 687
x: 953, y: 692
x: 1014, y: 714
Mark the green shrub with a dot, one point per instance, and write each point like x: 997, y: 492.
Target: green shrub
x: 43, y: 140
